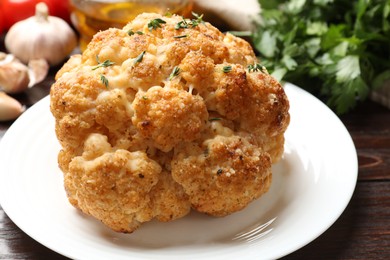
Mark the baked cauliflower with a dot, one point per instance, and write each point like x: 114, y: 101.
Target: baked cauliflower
x: 165, y: 115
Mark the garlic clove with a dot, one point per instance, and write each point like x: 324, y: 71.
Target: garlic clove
x: 38, y: 70
x: 3, y: 56
x: 6, y: 58
x: 10, y: 108
x: 14, y: 77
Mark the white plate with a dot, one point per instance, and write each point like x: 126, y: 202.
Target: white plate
x: 312, y: 185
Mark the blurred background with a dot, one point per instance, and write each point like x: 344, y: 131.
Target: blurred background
x: 338, y: 50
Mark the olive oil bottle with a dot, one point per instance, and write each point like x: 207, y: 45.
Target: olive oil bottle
x: 90, y: 17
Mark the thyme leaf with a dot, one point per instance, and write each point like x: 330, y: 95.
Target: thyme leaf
x: 198, y: 20
x: 186, y: 23
x: 181, y: 24
x: 256, y: 67
x: 174, y: 73
x: 104, y: 80
x: 131, y: 32
x: 181, y: 36
x: 155, y: 23
x: 226, y: 69
x: 139, y: 57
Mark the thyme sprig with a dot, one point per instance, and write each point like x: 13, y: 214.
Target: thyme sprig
x: 186, y: 23
x: 181, y: 24
x: 103, y: 64
x: 198, y: 20
x: 155, y: 23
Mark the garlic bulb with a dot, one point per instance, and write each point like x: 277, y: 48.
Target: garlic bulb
x: 10, y: 108
x: 41, y: 37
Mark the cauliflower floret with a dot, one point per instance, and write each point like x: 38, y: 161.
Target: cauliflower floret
x: 112, y: 186
x: 169, y: 116
x: 266, y: 99
x: 156, y: 120
x: 169, y: 199
x: 122, y: 188
x: 223, y: 175
x: 228, y: 99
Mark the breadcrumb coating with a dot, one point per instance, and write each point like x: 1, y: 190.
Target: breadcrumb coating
x: 154, y: 120
x: 169, y: 116
x: 223, y: 175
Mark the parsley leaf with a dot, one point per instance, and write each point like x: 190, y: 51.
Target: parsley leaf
x: 336, y: 49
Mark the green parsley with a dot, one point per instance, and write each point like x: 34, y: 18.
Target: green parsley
x: 336, y: 49
x: 139, y: 57
x: 175, y: 72
x: 215, y: 119
x: 226, y: 69
x: 104, y: 80
x: 155, y: 23
x: 104, y: 64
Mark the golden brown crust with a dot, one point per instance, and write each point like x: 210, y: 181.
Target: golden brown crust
x: 168, y: 116
x: 112, y: 185
x: 168, y: 198
x: 223, y: 175
x: 155, y: 121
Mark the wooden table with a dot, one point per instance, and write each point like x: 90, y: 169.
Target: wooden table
x: 362, y: 231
